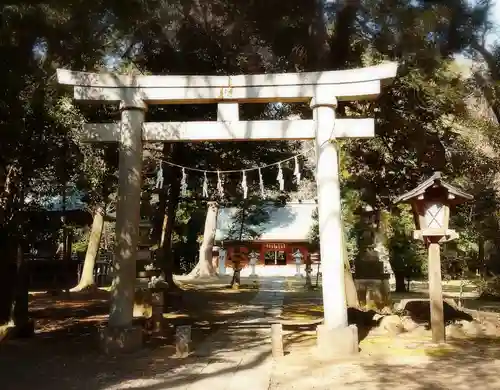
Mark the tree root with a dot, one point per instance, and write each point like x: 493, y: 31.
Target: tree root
x: 84, y: 288
x: 197, y: 273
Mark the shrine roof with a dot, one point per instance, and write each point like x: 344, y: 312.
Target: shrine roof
x: 291, y: 222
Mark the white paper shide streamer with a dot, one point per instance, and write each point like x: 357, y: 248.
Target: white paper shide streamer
x: 244, y: 185
x: 296, y: 171
x: 184, y: 183
x: 159, y: 177
x: 261, y: 184
x: 220, y: 185
x: 280, y: 178
x: 205, y: 185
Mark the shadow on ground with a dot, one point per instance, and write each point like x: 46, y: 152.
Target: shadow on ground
x: 64, y: 352
x: 462, y: 365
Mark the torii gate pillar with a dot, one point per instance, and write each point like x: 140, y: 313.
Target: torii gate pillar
x: 329, y: 212
x: 335, y: 337
x: 120, y: 334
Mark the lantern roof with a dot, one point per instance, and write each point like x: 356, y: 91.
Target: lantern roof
x: 455, y: 195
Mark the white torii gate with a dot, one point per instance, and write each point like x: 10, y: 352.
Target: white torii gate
x: 321, y: 89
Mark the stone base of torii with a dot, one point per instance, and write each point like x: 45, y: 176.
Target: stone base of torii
x: 321, y: 89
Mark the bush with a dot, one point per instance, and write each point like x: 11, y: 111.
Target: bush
x: 489, y: 288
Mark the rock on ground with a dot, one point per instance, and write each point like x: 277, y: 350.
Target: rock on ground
x: 408, y: 324
x: 455, y: 331
x: 490, y: 329
x: 419, y: 311
x: 391, y: 324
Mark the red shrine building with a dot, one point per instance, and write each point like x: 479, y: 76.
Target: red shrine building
x: 276, y: 244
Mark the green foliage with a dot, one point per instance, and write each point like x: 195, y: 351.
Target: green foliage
x: 350, y: 203
x: 81, y: 240
x: 423, y: 121
x: 313, y: 236
x: 489, y: 288
x: 407, y: 256
x: 249, y: 218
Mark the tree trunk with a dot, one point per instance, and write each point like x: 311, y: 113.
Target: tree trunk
x: 164, y: 251
x: 481, y: 257
x: 205, y: 268
x: 341, y: 42
x: 87, y: 279
x: 400, y: 282
x: 20, y: 313
x: 7, y: 278
x: 9, y: 183
x: 9, y: 180
x: 236, y: 279
x: 351, y: 293
x: 165, y: 258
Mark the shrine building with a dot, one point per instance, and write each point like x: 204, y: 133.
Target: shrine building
x: 275, y: 246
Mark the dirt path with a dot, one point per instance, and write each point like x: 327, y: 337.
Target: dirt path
x: 236, y: 357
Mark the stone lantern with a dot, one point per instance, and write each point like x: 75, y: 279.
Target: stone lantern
x: 431, y: 202
x: 315, y: 258
x: 253, y: 259
x: 297, y: 257
x: 144, y: 242
x: 371, y: 280
x: 145, y: 227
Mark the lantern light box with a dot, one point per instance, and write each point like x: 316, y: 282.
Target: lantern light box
x: 431, y: 202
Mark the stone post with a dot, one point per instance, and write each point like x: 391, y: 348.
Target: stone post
x: 120, y: 334
x: 335, y: 327
x: 277, y: 340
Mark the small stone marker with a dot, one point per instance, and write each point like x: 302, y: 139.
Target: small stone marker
x: 182, y: 340
x: 277, y: 340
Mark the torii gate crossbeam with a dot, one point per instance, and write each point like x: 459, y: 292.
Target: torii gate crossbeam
x: 321, y: 89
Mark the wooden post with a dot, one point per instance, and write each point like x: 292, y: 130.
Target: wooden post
x: 436, y: 293
x: 277, y: 340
